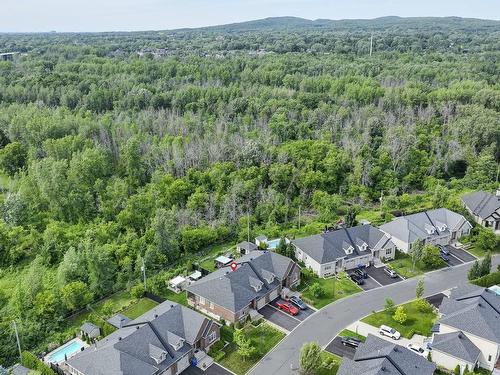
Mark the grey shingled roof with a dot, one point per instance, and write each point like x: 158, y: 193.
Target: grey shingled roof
x: 481, y: 203
x: 234, y: 290
x: 20, y: 370
x: 328, y: 247
x: 118, y: 320
x: 128, y: 351
x: 413, y: 227
x: 88, y: 327
x: 456, y: 344
x: 473, y: 310
x: 378, y: 356
x: 248, y: 246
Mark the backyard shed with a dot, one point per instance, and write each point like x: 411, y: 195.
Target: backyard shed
x: 90, y: 330
x: 177, y: 284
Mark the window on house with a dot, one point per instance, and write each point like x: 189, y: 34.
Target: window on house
x: 328, y: 268
x: 202, y: 300
x: 388, y: 252
x: 211, y: 337
x: 211, y: 304
x: 489, y: 358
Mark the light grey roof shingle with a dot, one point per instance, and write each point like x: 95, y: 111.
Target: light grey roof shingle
x: 414, y: 227
x: 118, y: 320
x: 378, y: 356
x: 481, y: 203
x: 456, y: 344
x: 20, y: 370
x: 234, y: 290
x: 89, y: 328
x: 328, y: 247
x: 473, y: 310
x: 248, y: 246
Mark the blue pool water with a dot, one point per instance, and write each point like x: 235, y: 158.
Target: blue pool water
x: 273, y: 244
x: 495, y: 288
x: 68, y: 350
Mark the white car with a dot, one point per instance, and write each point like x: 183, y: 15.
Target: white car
x: 417, y: 349
x: 389, y: 332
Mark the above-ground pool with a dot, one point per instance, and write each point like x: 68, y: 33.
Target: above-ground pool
x: 66, y: 351
x: 496, y: 289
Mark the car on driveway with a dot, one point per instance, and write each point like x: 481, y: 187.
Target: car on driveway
x: 361, y: 273
x: 389, y: 332
x: 357, y: 279
x: 392, y: 274
x: 350, y: 341
x: 417, y: 349
x: 287, y: 307
x: 444, y: 257
x: 443, y: 250
x: 298, y: 302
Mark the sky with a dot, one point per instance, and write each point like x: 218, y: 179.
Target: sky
x: 130, y: 15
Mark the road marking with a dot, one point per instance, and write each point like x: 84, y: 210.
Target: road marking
x: 457, y: 258
x: 374, y: 280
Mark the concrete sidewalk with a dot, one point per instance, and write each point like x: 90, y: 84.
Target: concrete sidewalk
x: 364, y: 329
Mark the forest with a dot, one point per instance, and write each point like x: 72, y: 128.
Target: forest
x: 119, y: 148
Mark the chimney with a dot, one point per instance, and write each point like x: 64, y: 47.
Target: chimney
x: 156, y: 316
x: 120, y: 338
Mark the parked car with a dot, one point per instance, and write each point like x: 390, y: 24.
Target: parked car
x: 443, y: 250
x: 444, y: 257
x: 417, y: 349
x: 287, y: 307
x: 298, y: 302
x: 361, y: 272
x: 357, y: 279
x: 392, y: 274
x: 389, y: 332
x: 350, y: 341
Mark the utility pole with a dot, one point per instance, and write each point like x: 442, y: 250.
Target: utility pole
x: 299, y: 216
x: 371, y: 44
x: 143, y: 269
x: 17, y: 338
x: 248, y: 226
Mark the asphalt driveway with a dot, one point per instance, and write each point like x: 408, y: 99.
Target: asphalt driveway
x: 336, y: 347
x: 379, y: 275
x: 370, y: 283
x: 461, y: 254
x: 215, y: 369
x: 282, y: 319
x: 436, y: 299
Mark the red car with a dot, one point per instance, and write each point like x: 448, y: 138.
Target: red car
x: 287, y: 307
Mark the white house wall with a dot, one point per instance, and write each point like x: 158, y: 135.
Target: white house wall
x: 449, y: 362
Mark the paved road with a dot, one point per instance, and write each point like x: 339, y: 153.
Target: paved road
x: 330, y: 320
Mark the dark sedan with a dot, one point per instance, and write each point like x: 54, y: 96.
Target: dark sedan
x: 357, y: 279
x: 350, y: 341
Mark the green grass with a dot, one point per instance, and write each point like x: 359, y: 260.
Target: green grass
x: 213, y: 252
x: 375, y: 216
x: 343, y: 287
x: 139, y: 308
x: 403, y: 265
x: 327, y: 357
x: 180, y: 298
x: 353, y: 334
x: 263, y: 338
x: 418, y: 322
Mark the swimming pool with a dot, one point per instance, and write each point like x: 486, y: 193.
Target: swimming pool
x: 66, y: 351
x: 273, y: 244
x: 496, y: 289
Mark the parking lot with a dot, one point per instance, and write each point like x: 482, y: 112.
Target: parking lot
x: 336, y: 347
x: 282, y: 319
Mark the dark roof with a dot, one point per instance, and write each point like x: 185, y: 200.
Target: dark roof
x: 378, y: 356
x: 132, y: 349
x: 330, y: 246
x: 89, y: 328
x: 456, y: 344
x: 417, y: 226
x: 248, y: 246
x: 234, y: 290
x: 118, y: 320
x: 20, y: 370
x: 473, y: 310
x: 482, y: 204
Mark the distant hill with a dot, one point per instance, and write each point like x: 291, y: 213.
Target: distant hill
x: 287, y: 23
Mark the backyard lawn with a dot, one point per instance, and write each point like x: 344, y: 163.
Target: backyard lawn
x: 403, y: 265
x: 212, y: 253
x: 263, y: 339
x: 353, y: 334
x: 139, y: 308
x: 180, y: 298
x: 343, y: 287
x: 418, y: 322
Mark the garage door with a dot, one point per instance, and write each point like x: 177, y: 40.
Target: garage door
x: 261, y: 303
x: 273, y: 295
x: 183, y: 364
x: 167, y: 371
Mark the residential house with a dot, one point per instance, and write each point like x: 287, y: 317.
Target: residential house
x: 437, y: 227
x: 469, y: 324
x: 232, y: 295
x: 343, y: 249
x: 379, y: 356
x: 485, y: 208
x: 162, y: 341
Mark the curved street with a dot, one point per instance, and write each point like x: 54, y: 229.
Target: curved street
x: 326, y: 323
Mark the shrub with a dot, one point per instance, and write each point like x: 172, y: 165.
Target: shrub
x: 137, y: 291
x: 310, y: 358
x: 424, y: 306
x: 400, y: 315
x: 317, y: 290
x: 389, y: 304
x: 488, y: 280
x: 30, y: 361
x: 457, y: 370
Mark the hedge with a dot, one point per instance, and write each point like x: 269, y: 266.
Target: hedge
x: 30, y: 361
x: 488, y: 280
